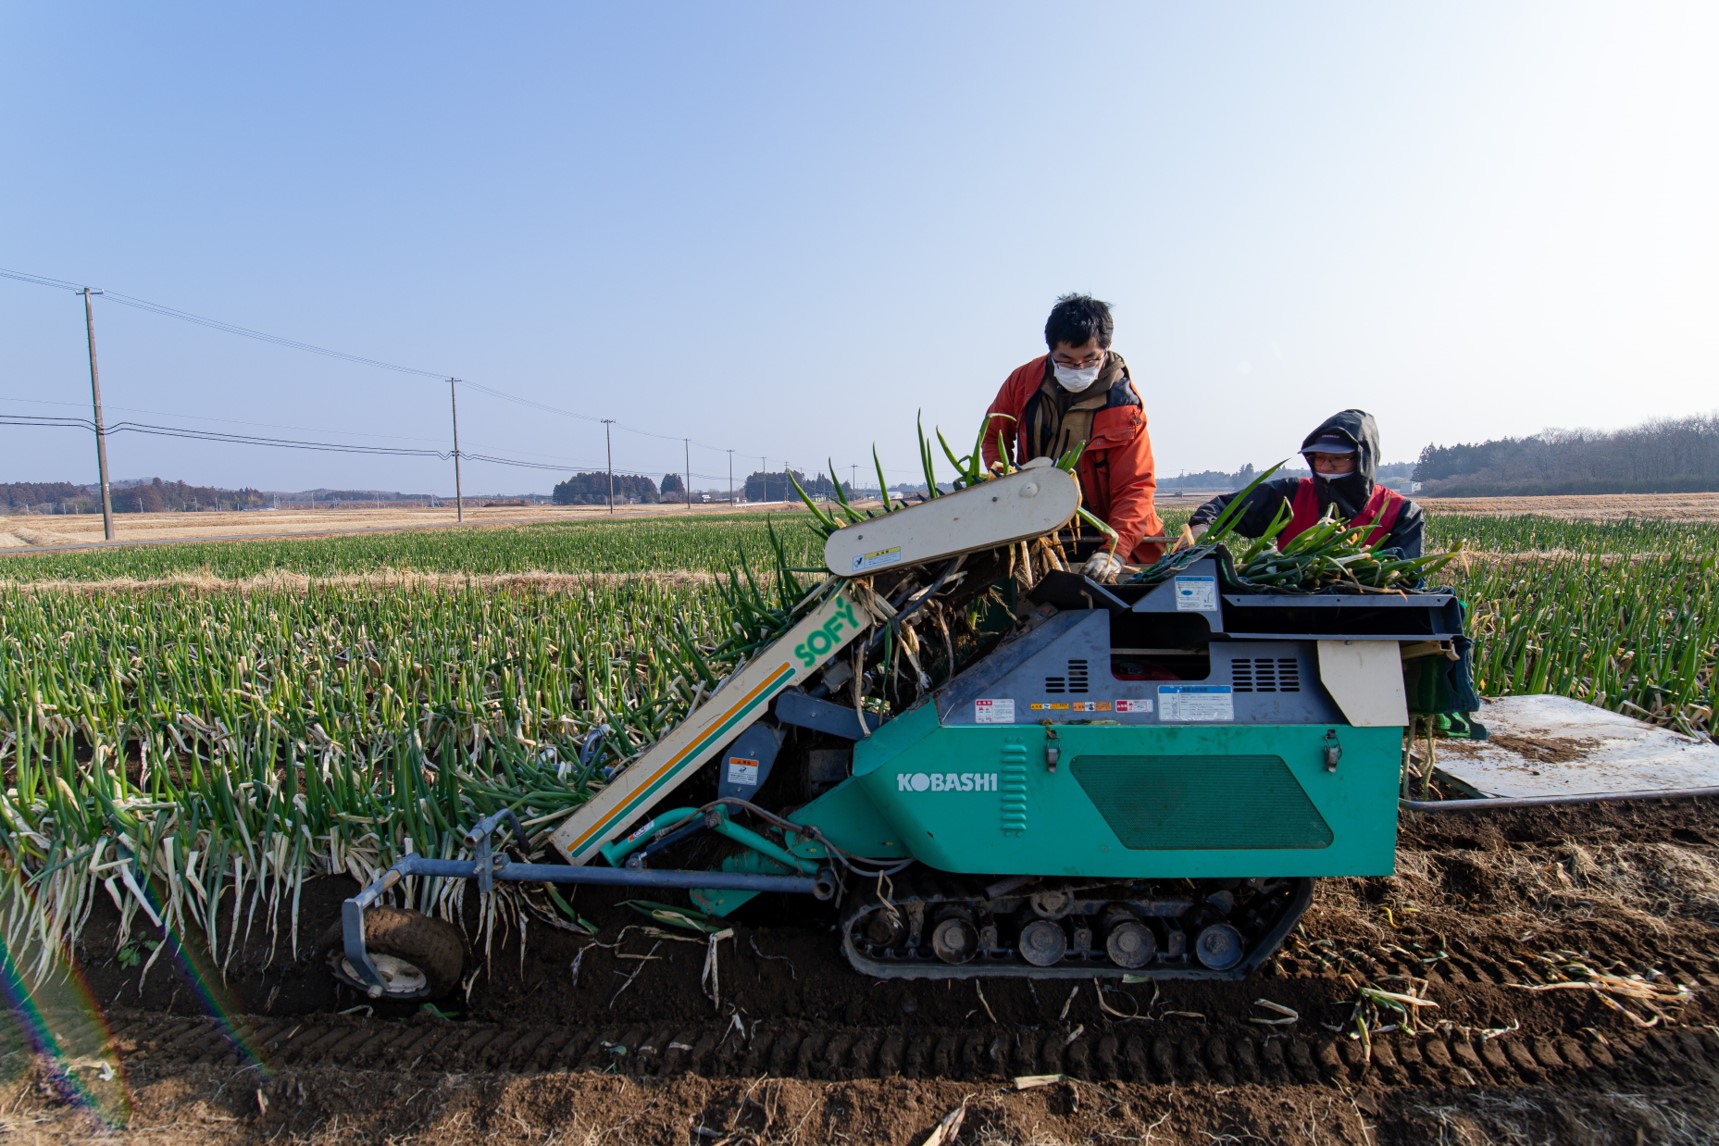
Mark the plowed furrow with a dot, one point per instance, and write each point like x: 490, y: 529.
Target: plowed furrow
x: 1132, y: 1054
x: 1695, y: 968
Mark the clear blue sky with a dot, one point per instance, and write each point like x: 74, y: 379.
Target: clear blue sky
x: 783, y: 228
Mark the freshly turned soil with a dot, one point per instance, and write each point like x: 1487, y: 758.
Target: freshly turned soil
x: 622, y: 1037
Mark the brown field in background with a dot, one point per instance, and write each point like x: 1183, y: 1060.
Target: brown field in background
x: 1693, y: 507
x: 46, y: 530
x: 27, y: 531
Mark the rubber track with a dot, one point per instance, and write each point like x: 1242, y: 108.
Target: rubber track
x: 1134, y: 1052
x: 1696, y: 968
x: 931, y: 887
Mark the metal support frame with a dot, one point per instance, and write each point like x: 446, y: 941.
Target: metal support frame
x: 487, y: 866
x: 1505, y: 803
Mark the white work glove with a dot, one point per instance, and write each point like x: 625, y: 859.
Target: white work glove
x: 1103, y: 567
x: 1190, y: 535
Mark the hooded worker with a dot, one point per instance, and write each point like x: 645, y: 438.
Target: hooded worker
x: 1081, y: 392
x: 1343, y: 453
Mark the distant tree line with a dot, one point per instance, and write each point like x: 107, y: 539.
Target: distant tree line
x: 41, y: 496
x: 593, y: 489
x: 157, y: 496
x: 1391, y: 473
x: 338, y: 495
x: 773, y: 486
x: 153, y: 496
x: 1668, y: 455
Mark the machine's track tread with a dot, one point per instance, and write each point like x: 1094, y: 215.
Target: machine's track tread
x: 941, y: 889
x: 1161, y: 1051
x: 1142, y: 1053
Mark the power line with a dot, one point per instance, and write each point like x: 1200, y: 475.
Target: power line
x: 40, y: 280
x: 668, y: 437
x: 545, y: 406
x: 260, y: 336
x: 9, y: 419
x: 533, y: 403
x: 281, y: 340
x: 221, y: 421
x: 279, y: 443
x: 166, y: 311
x: 312, y: 348
x: 151, y: 429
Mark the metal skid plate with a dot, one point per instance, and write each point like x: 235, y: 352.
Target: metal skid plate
x: 1543, y: 746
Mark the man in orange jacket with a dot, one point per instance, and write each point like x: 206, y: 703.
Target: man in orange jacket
x: 1081, y: 392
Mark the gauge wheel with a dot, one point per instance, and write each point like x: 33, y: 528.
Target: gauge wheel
x: 419, y: 956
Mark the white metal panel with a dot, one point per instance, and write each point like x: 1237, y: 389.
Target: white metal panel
x: 1365, y: 678
x: 1035, y: 500
x: 1556, y: 746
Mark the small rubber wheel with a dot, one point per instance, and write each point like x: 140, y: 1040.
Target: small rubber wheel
x: 1220, y: 947
x: 419, y: 956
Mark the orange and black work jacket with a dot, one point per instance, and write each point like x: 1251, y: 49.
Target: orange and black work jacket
x: 1118, y: 480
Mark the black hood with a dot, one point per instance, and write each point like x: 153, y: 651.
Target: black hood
x: 1351, y: 491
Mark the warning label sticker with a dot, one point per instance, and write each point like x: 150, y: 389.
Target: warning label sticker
x: 994, y: 711
x: 1134, y: 706
x: 1090, y: 706
x: 1196, y: 702
x: 876, y: 560
x: 743, y: 771
x: 1049, y: 706
x: 1196, y: 594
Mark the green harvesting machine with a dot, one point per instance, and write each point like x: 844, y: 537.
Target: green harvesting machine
x: 987, y: 765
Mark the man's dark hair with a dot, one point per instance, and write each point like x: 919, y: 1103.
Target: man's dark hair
x: 1077, y: 319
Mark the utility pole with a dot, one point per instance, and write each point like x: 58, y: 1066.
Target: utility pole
x: 764, y: 472
x: 459, y: 494
x: 853, y: 476
x: 784, y: 481
x: 609, y: 448
x: 100, y: 431
x: 687, y: 442
x: 731, y: 479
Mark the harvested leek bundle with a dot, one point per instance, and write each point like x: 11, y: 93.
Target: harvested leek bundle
x: 1331, y: 555
x: 969, y: 471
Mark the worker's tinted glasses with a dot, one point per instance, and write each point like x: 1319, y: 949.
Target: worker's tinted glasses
x: 1331, y: 463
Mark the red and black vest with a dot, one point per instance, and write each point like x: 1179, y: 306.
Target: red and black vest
x: 1381, y: 512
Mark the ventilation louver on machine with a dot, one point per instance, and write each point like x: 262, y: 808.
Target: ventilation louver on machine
x: 1265, y: 674
x: 1075, y: 680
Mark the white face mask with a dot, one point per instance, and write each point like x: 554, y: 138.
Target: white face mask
x: 1073, y: 380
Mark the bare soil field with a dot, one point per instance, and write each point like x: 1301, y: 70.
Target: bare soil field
x: 1544, y: 975
x: 50, y: 530
x: 1691, y: 507
x: 45, y: 531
